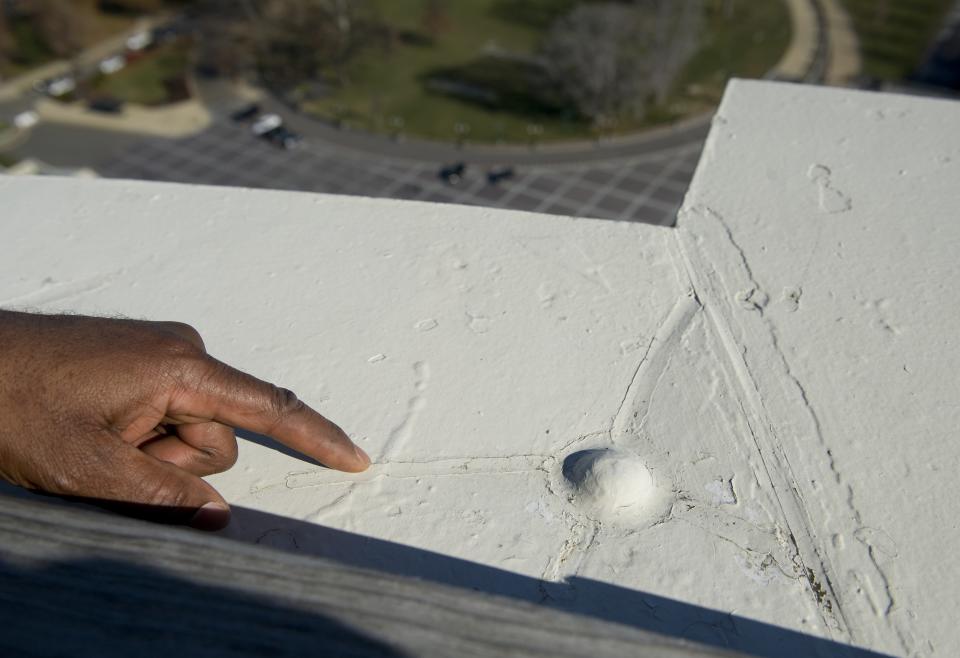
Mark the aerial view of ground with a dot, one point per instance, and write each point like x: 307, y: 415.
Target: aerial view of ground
x: 612, y: 332
x: 436, y: 103
x: 480, y: 49
x: 645, y: 188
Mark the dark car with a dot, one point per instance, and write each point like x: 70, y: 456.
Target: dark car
x: 496, y: 175
x: 106, y: 105
x: 246, y: 112
x: 170, y: 32
x: 282, y: 138
x: 453, y: 174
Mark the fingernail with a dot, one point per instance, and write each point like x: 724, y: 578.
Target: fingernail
x: 211, y: 516
x: 361, y: 455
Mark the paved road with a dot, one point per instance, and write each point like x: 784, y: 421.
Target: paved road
x: 636, y: 179
x: 65, y: 145
x: 647, y: 184
x: 661, y: 139
x: 221, y: 98
x: 644, y: 188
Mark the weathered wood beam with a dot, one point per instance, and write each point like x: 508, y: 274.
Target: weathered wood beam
x: 76, y: 582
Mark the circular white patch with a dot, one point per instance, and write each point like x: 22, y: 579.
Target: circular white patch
x: 608, y: 483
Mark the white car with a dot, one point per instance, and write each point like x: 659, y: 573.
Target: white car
x: 61, y: 86
x: 139, y: 41
x: 112, y: 64
x: 26, y: 119
x: 265, y: 123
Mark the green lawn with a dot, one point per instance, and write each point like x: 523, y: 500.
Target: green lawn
x: 389, y: 87
x: 143, y: 81
x: 746, y: 45
x: 895, y: 34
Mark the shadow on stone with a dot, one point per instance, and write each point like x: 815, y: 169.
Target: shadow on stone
x: 582, y: 596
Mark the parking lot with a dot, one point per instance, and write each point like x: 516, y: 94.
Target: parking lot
x: 646, y: 188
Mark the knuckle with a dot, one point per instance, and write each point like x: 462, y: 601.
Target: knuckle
x: 174, y: 346
x: 184, y: 331
x: 283, y: 403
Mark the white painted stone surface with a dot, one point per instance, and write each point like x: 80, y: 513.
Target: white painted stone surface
x: 821, y: 233
x: 781, y: 367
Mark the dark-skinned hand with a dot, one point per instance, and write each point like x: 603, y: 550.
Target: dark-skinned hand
x: 130, y: 414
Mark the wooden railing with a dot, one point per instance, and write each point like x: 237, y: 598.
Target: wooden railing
x: 81, y: 583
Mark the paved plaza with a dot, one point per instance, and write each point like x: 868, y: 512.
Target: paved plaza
x: 644, y: 188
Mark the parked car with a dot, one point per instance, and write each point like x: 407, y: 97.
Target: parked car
x: 453, y: 174
x: 265, y: 123
x: 106, y: 104
x: 283, y: 138
x: 139, y: 41
x: 26, y: 120
x: 111, y: 65
x: 498, y: 174
x: 61, y: 86
x: 208, y: 71
x: 246, y: 112
x: 167, y: 33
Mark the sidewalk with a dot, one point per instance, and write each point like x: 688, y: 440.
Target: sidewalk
x: 804, y: 41
x: 844, y: 62
x: 823, y: 48
x: 175, y: 120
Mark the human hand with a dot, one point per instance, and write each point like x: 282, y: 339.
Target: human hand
x: 132, y: 413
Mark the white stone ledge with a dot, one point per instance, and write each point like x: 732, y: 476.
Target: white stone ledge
x: 781, y: 366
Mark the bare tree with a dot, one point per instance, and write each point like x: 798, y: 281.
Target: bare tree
x: 62, y: 25
x: 675, y: 38
x: 226, y: 40
x: 610, y: 58
x: 593, y: 55
x: 300, y: 38
x: 285, y: 41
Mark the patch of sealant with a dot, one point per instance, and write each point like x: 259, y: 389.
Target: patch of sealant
x: 608, y: 483
x: 830, y: 199
x: 791, y: 298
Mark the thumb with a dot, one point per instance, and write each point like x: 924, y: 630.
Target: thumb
x: 141, y: 486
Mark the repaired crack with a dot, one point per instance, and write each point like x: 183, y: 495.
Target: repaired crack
x: 736, y: 331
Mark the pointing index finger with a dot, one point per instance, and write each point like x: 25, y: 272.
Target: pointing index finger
x: 224, y: 394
